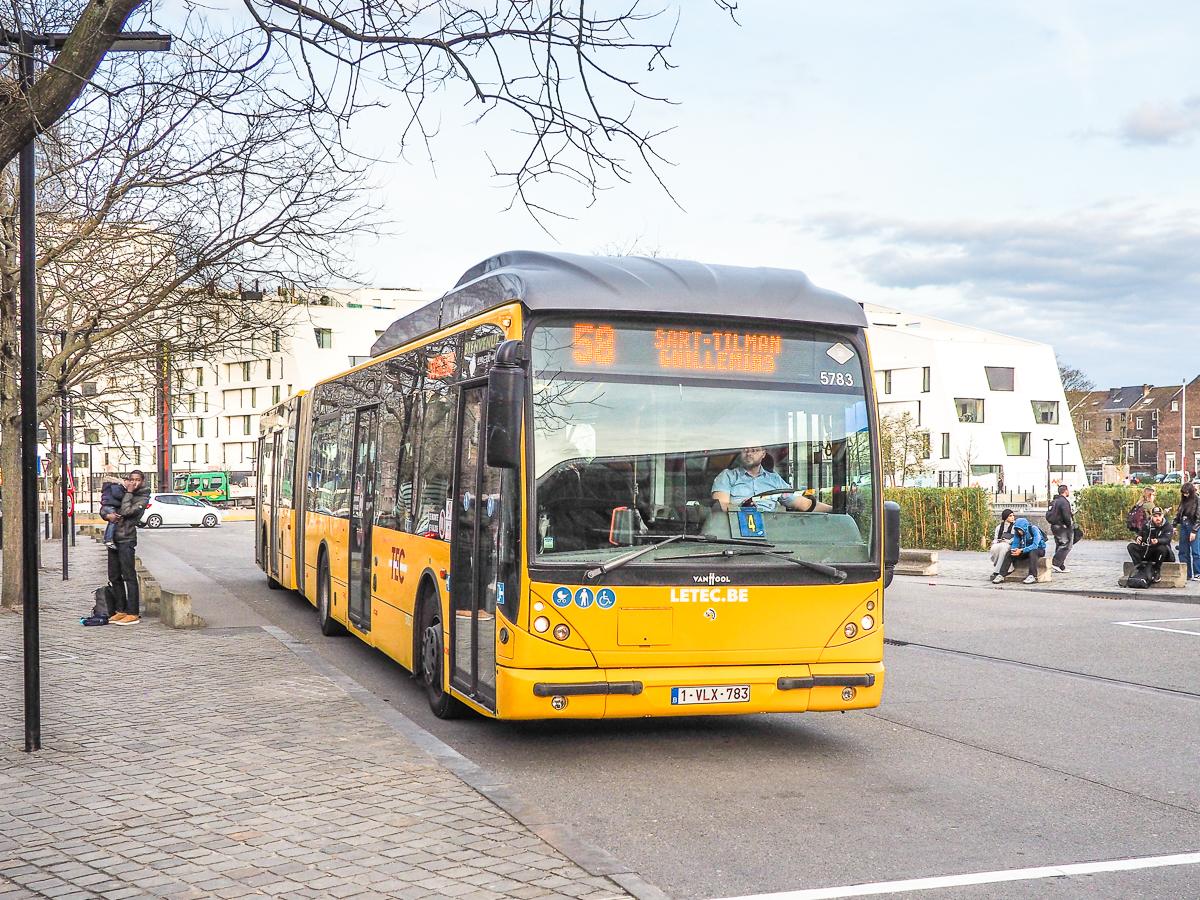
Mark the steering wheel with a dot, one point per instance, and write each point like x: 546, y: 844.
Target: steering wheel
x: 749, y: 501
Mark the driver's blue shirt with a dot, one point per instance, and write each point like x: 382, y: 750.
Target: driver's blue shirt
x: 741, y: 485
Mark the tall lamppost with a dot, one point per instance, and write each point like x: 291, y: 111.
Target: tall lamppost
x: 1061, y: 445
x: 1048, y: 441
x: 1183, y: 426
x: 23, y: 43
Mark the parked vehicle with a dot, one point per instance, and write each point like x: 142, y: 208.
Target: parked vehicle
x: 1169, y: 478
x: 223, y: 489
x: 180, y: 509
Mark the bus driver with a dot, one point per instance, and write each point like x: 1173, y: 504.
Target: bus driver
x: 748, y: 478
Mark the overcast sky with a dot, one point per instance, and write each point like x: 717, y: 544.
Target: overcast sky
x: 1025, y: 167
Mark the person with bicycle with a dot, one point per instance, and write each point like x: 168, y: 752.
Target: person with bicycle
x: 747, y: 481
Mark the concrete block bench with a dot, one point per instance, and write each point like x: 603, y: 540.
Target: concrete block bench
x: 917, y: 562
x: 1021, y: 571
x: 175, y: 610
x: 1174, y: 575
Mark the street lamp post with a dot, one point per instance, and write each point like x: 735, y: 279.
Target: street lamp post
x: 1061, y: 445
x: 24, y: 42
x: 1183, y: 425
x: 1048, y: 441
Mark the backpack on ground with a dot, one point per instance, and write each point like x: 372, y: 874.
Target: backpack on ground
x: 106, y: 602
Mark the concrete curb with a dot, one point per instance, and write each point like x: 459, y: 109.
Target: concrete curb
x: 562, y: 838
x: 1091, y: 593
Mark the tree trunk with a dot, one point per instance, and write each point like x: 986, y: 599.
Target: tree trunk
x: 10, y: 504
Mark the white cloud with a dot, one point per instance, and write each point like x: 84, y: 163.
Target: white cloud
x: 1160, y: 123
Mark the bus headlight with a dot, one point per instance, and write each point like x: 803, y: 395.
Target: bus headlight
x: 561, y: 632
x: 848, y: 694
x: 868, y: 622
x: 541, y: 624
x: 851, y: 629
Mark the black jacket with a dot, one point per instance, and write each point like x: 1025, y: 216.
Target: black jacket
x: 133, y: 504
x: 1059, y: 514
x: 1162, y: 533
x: 1189, y: 512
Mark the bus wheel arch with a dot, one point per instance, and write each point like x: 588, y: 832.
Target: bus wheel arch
x: 329, y: 625
x: 429, y: 652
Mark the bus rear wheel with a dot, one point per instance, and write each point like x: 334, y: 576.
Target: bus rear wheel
x: 433, y: 655
x: 329, y: 625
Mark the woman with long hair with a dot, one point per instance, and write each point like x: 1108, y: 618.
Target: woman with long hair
x: 1188, y: 520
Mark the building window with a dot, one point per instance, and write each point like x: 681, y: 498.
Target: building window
x: 945, y: 445
x: 199, y: 428
x: 1045, y: 412
x: 246, y: 371
x: 276, y: 390
x: 985, y: 470
x: 887, y: 381
x: 200, y: 376
x: 324, y: 338
x: 925, y: 380
x: 276, y: 341
x: 1174, y: 406
x: 137, y: 407
x: 1196, y: 432
x: 191, y: 402
x: 1108, y: 424
x: 969, y: 410
x: 1154, y: 415
x: 1016, y: 443
x: 178, y: 428
x: 268, y: 370
x: 926, y: 446
x: 1137, y: 423
x: 1087, y: 424
x: 253, y: 397
x: 1000, y: 378
x: 245, y: 424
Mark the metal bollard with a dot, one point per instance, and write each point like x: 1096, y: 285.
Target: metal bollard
x: 46, y: 520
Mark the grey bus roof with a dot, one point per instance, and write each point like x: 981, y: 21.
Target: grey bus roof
x: 616, y: 284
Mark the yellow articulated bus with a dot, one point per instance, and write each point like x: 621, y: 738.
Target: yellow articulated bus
x: 585, y: 487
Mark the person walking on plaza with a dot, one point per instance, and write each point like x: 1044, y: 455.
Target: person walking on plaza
x: 1061, y: 519
x: 1188, y: 520
x: 121, y: 573
x: 1002, y: 540
x: 1151, y: 549
x: 1029, y: 544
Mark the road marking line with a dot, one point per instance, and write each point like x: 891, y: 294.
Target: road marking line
x: 946, y: 881
x: 1149, y: 626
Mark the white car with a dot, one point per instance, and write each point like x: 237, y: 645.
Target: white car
x: 180, y: 509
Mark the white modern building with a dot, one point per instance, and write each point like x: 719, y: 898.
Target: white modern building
x: 216, y: 403
x: 992, y: 405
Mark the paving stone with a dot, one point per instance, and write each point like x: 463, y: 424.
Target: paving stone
x: 243, y: 772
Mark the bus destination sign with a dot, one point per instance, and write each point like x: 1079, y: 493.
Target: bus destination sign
x: 681, y: 349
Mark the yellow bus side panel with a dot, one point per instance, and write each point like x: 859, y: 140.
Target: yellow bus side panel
x: 399, y: 561
x: 334, y: 534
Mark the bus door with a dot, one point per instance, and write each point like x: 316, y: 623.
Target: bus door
x: 277, y: 440
x: 362, y: 514
x: 473, y: 558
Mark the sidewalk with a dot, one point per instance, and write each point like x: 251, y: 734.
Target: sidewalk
x: 218, y: 763
x: 1092, y: 569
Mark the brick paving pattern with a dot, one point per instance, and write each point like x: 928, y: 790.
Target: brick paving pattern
x: 217, y: 764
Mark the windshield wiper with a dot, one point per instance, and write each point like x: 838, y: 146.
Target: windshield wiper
x: 838, y: 575
x: 606, y: 567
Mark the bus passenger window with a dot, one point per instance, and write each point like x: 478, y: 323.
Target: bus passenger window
x: 437, y: 463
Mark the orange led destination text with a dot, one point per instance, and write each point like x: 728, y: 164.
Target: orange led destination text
x: 717, y: 351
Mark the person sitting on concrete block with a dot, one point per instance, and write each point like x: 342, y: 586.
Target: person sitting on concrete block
x: 1002, y: 541
x: 1151, y: 549
x: 1029, y: 544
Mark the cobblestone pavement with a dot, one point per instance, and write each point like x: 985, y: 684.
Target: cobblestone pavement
x: 217, y: 764
x: 1092, y: 568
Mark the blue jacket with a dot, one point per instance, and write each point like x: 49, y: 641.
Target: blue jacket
x: 1027, y: 537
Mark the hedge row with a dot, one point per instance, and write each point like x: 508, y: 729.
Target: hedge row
x: 942, y: 518
x: 1101, y: 509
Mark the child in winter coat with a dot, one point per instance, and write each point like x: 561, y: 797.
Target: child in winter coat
x: 1029, y: 544
x: 110, y: 502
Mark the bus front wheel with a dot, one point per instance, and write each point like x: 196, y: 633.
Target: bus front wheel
x: 432, y: 657
x: 329, y: 625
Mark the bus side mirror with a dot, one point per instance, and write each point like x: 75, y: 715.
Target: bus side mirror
x: 506, y: 400
x: 891, y: 539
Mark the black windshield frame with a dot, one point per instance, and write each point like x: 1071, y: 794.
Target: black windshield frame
x: 739, y: 571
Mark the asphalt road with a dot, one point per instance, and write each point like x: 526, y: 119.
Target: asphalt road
x: 1018, y: 730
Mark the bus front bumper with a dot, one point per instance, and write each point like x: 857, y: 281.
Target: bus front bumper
x: 686, y: 690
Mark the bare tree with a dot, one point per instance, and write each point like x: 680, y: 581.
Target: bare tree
x: 177, y: 177
x: 904, y: 448
x: 564, y: 77
x: 1073, y: 379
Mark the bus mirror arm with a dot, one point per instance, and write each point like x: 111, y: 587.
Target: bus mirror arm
x: 506, y: 400
x: 891, y: 540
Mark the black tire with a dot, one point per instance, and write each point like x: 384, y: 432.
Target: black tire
x: 329, y: 625
x: 273, y: 584
x: 432, y: 650
x: 209, y: 520
x: 154, y: 520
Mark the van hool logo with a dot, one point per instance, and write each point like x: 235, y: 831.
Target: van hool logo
x: 711, y: 578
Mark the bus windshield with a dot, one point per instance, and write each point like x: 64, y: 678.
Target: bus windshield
x: 636, y: 426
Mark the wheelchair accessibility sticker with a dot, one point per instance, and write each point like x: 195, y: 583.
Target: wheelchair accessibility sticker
x: 606, y: 598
